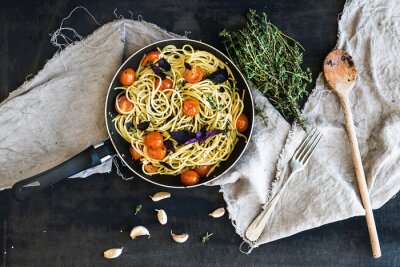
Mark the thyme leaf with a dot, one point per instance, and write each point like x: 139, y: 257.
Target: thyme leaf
x: 206, y: 237
x: 272, y: 61
x: 133, y: 131
x: 179, y: 85
x: 261, y: 114
x: 211, y: 102
x: 138, y: 209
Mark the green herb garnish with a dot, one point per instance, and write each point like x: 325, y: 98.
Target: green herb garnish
x: 272, y: 61
x: 261, y: 114
x: 179, y: 85
x: 138, y: 209
x: 228, y: 123
x: 132, y: 130
x: 212, y: 103
x: 206, y: 237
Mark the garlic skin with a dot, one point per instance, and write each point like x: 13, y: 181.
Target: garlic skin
x: 162, y: 216
x: 139, y: 231
x: 217, y: 213
x: 181, y: 238
x: 112, y: 253
x: 160, y: 196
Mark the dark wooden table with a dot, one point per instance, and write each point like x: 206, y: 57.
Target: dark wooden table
x: 72, y: 223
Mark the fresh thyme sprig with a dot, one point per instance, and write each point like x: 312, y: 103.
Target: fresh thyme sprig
x: 206, y: 237
x: 272, y: 61
x: 138, y: 209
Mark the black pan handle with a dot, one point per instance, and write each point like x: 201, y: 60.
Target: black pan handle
x: 90, y: 157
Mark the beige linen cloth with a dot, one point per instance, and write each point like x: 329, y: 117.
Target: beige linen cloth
x: 59, y: 113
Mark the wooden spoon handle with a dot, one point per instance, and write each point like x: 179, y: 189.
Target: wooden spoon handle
x: 362, y: 184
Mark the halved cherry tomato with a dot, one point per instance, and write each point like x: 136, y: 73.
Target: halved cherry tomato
x: 150, y: 57
x: 157, y: 154
x: 154, y: 140
x: 165, y: 84
x: 127, y: 76
x: 134, y: 153
x: 203, y: 170
x: 191, y: 107
x: 190, y: 177
x: 242, y: 123
x: 150, y: 168
x: 123, y: 105
x: 194, y: 75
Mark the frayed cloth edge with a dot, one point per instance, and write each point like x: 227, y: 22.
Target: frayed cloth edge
x: 252, y: 245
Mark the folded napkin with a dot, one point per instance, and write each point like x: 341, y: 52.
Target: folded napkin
x: 36, y: 134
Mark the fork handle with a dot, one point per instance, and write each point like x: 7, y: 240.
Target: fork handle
x: 254, y: 231
x: 362, y: 184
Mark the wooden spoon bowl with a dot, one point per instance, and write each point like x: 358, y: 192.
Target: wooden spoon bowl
x: 340, y: 71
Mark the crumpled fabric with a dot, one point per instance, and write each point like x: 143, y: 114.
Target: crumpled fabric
x: 36, y: 134
x: 60, y: 111
x: 327, y: 191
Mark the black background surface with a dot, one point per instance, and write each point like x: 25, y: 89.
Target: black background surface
x: 72, y: 223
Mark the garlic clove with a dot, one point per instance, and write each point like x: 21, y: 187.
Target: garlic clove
x: 160, y: 195
x: 217, y: 213
x: 112, y: 253
x: 162, y: 216
x: 139, y: 231
x: 181, y: 238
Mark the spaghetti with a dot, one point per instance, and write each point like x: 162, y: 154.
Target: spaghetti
x: 180, y: 110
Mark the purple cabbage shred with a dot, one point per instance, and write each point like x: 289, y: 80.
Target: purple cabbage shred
x: 203, y: 135
x: 182, y: 136
x: 143, y: 125
x: 166, y: 165
x: 169, y: 145
x: 158, y: 71
x: 218, y: 76
x: 187, y: 66
x: 162, y: 63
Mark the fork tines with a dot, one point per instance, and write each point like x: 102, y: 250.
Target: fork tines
x: 307, y: 147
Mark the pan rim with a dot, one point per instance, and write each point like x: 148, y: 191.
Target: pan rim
x: 225, y: 58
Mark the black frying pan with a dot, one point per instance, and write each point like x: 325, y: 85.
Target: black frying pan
x: 97, y: 154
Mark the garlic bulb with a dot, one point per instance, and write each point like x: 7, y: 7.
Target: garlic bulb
x: 181, y: 238
x: 160, y: 195
x: 162, y: 216
x: 112, y: 253
x: 217, y: 213
x: 139, y: 231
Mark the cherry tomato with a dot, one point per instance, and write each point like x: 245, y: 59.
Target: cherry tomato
x: 123, y: 105
x: 242, y: 123
x: 194, y: 75
x: 154, y: 140
x: 191, y: 107
x: 190, y: 177
x: 165, y: 84
x: 150, y: 57
x: 157, y: 154
x: 135, y: 155
x: 127, y: 76
x: 203, y: 170
x: 150, y: 168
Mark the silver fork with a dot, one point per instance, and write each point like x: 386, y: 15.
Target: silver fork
x: 297, y: 163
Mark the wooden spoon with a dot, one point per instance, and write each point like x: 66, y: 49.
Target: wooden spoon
x: 340, y: 73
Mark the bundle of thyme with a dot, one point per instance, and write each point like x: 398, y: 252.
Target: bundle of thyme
x: 271, y: 60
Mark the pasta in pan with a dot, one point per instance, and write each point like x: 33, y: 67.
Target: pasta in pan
x: 181, y: 112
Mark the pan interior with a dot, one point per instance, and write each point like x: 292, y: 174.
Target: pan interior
x: 122, y: 147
